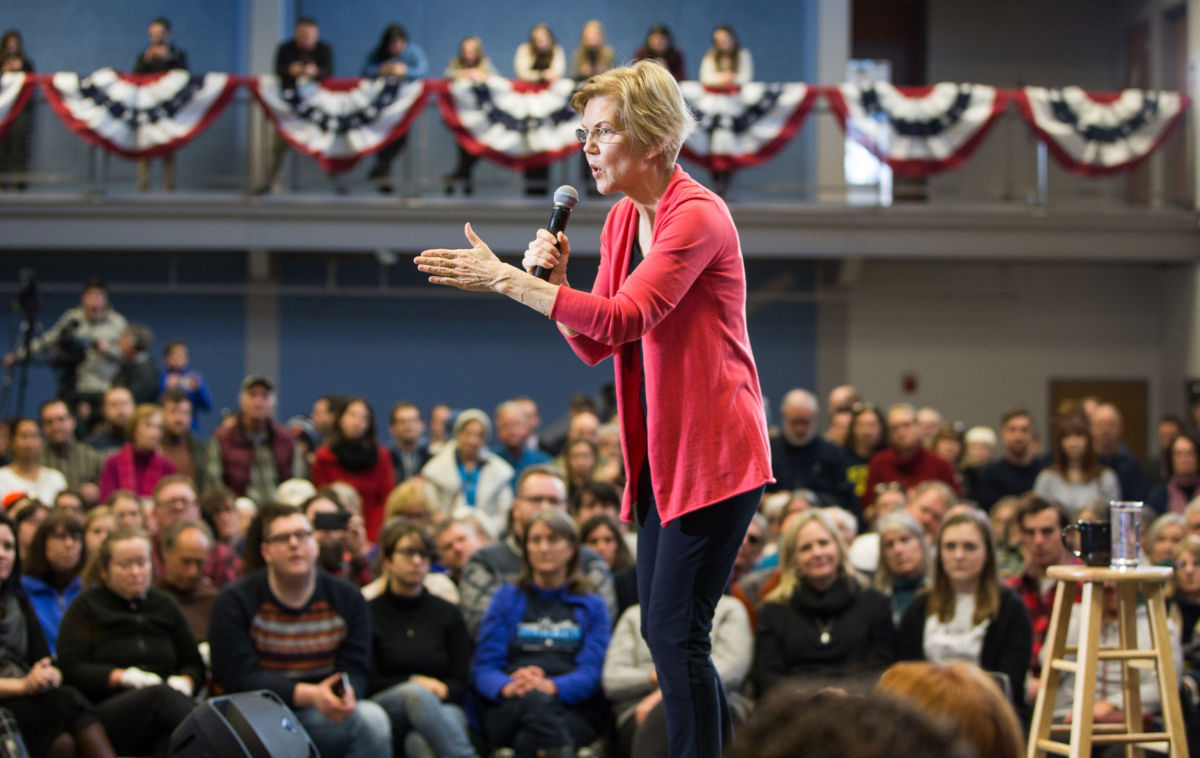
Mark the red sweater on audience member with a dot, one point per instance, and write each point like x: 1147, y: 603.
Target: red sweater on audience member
x: 129, y: 469
x: 373, y: 484
x: 920, y: 466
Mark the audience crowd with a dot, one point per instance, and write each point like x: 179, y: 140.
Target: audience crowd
x: 460, y: 583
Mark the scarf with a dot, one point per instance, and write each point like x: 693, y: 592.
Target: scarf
x: 355, y: 455
x: 826, y: 604
x: 1180, y: 491
x: 134, y: 468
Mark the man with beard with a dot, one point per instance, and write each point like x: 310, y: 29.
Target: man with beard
x: 174, y: 499
x: 331, y: 522
x: 802, y: 459
x: 79, y: 462
x: 179, y: 442
x: 1015, y: 473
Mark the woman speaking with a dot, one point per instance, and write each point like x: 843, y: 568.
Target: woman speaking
x: 668, y: 305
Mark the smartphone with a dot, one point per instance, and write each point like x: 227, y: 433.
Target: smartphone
x: 331, y: 522
x: 342, y: 684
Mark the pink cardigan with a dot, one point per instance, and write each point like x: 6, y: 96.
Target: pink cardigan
x: 707, y: 433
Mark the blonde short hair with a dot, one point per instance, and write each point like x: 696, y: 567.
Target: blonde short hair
x: 650, y: 106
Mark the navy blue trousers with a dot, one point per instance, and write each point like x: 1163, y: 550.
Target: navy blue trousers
x: 682, y: 569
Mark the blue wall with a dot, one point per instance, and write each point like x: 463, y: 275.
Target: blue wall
x: 465, y: 351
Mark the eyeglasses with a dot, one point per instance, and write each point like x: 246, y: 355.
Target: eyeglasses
x: 601, y: 136
x: 412, y: 553
x: 300, y: 535
x: 887, y: 487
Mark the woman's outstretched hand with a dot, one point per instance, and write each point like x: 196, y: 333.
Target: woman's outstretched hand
x: 475, y: 269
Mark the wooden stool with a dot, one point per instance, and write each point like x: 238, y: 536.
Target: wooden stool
x: 1150, y: 581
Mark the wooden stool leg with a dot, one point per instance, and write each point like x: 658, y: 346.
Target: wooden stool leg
x: 1088, y: 659
x: 1053, y: 647
x: 1168, y: 684
x: 1131, y: 694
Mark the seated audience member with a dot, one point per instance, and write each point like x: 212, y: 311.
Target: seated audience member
x: 1104, y: 423
x: 827, y: 723
x: 631, y: 680
x: 456, y: 541
x: 801, y: 458
x: 845, y: 522
x: 70, y: 501
x: 352, y: 454
x: 293, y: 629
x: 128, y: 647
x: 903, y: 561
x: 1109, y: 705
x: 420, y: 652
x: 27, y: 517
x: 611, y: 466
x: 127, y: 509
x: 949, y: 445
x: 1169, y: 427
x: 185, y: 547
x: 137, y: 371
x: 139, y: 464
x: 864, y: 551
x: 595, y: 498
x: 116, y: 410
x: 175, y: 498
x: 966, y: 614
x: 979, y: 447
x: 1076, y: 477
x: 252, y: 455
x: 25, y: 473
x: 580, y: 457
x: 338, y: 552
x: 294, y: 491
x: 602, y: 534
x: 99, y: 523
x: 514, y: 430
x: 464, y: 478
x: 864, y: 438
x: 965, y: 696
x: 178, y: 376
x: 491, y: 566
x: 1182, y: 463
x: 54, y: 719
x: 218, y: 508
x: 1041, y: 522
x: 929, y: 504
x: 50, y: 576
x: 929, y: 421
x: 1163, y: 537
x: 1185, y: 596
x: 820, y: 619
x: 905, y: 460
x: 541, y: 648
x: 409, y: 454
x: 78, y: 462
x: 409, y: 499
x: 1009, y: 559
x: 179, y: 441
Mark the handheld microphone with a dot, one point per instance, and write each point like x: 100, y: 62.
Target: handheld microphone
x: 565, y: 198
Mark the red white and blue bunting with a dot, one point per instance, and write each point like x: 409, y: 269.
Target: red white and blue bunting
x: 339, y: 121
x: 15, y: 89
x: 743, y: 126
x: 1097, y: 134
x: 515, y: 124
x: 139, y: 115
x: 918, y: 130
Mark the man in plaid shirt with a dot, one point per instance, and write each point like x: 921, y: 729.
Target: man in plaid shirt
x: 1041, y: 522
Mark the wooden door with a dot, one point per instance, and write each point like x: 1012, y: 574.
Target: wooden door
x: 1129, y: 395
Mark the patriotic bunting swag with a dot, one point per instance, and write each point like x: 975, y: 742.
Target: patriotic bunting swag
x: 1096, y: 135
x: 139, y: 115
x: 15, y: 89
x: 338, y: 121
x: 515, y: 124
x: 915, y: 130
x: 746, y: 126
x: 918, y: 130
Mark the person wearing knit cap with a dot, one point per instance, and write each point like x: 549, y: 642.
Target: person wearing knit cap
x: 465, y: 478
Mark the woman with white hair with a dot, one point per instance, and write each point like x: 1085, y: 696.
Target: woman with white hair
x: 464, y: 478
x: 668, y: 304
x: 904, y: 559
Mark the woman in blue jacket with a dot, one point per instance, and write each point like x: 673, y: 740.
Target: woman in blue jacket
x: 541, y: 648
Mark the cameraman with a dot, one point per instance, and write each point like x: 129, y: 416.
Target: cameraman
x: 93, y: 329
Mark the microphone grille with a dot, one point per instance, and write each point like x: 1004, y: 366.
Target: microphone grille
x: 566, y: 195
